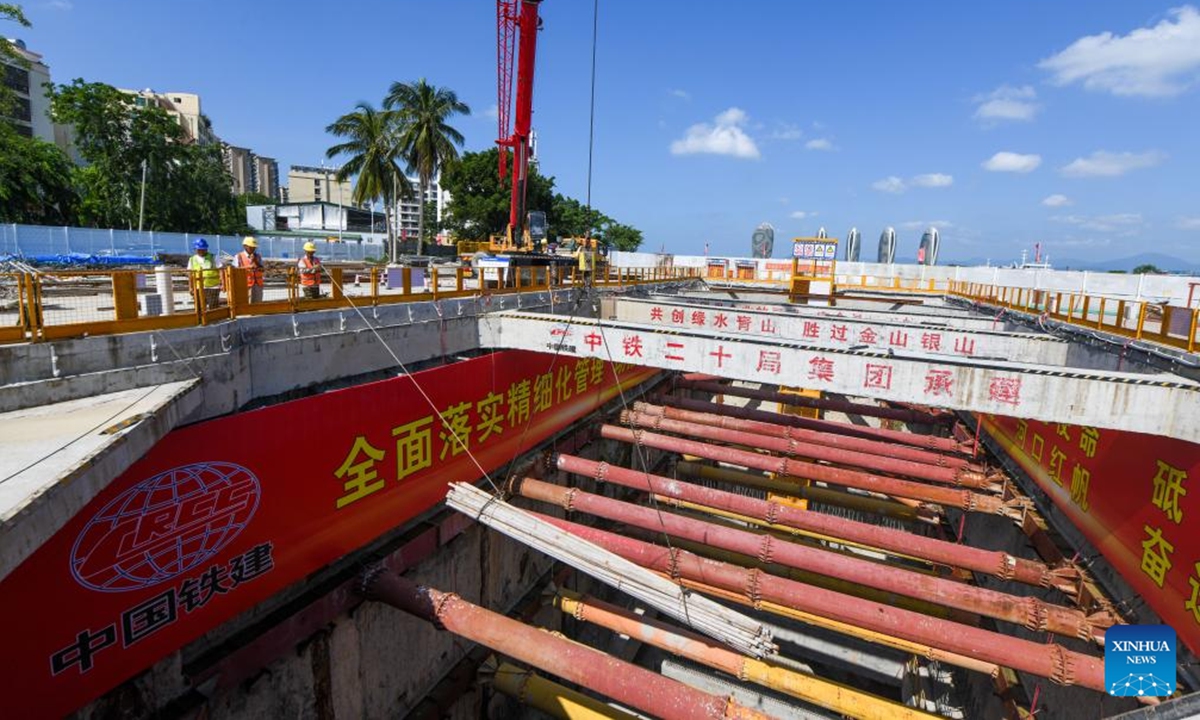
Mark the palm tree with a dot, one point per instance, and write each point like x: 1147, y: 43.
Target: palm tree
x: 372, y: 149
x: 427, y: 142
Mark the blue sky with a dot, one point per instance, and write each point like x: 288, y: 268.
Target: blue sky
x: 1068, y: 123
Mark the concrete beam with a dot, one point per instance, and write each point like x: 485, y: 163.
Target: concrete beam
x: 1152, y: 404
x: 941, y: 316
x: 55, y: 459
x: 844, y: 333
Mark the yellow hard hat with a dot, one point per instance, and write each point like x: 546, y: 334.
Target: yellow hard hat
x: 249, y: 241
x: 309, y: 247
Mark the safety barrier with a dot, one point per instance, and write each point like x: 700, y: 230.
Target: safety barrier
x: 62, y: 304
x: 1137, y: 319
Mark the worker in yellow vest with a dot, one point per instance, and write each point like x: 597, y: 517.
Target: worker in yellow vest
x: 251, y: 261
x: 205, y: 274
x: 310, y: 270
x: 585, y: 261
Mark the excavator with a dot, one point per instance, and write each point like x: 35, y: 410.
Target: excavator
x: 523, y: 243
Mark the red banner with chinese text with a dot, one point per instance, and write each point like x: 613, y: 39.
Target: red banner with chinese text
x: 1129, y: 493
x: 221, y: 515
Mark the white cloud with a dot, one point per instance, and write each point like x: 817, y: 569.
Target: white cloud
x: 819, y: 144
x: 1103, y: 163
x: 1056, y: 200
x: 890, y: 184
x: 933, y: 180
x: 1153, y: 62
x: 1188, y: 223
x: 787, y: 131
x: 1123, y: 223
x: 925, y: 224
x: 802, y: 214
x: 724, y: 137
x: 1012, y: 162
x: 1007, y: 103
x: 681, y: 94
x: 60, y: 5
x: 492, y: 112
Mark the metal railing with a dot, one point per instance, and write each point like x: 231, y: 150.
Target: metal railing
x: 51, y: 305
x: 1137, y: 319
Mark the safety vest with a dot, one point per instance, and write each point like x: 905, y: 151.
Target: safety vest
x: 254, y: 269
x: 585, y: 260
x: 207, y: 268
x: 310, y: 279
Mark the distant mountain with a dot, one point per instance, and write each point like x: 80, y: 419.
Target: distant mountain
x: 1167, y: 263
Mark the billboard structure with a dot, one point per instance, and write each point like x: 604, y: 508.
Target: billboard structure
x: 818, y: 248
x: 762, y: 243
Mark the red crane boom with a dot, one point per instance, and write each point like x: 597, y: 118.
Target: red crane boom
x: 517, y: 24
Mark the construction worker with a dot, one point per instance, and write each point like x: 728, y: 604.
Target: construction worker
x: 585, y: 262
x: 252, y: 263
x: 205, y: 273
x: 310, y: 271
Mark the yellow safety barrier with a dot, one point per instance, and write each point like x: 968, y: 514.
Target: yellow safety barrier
x: 1141, y: 320
x: 61, y: 304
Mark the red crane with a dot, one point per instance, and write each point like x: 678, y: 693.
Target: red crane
x: 517, y: 24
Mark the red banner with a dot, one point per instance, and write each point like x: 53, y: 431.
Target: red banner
x: 1129, y: 494
x: 223, y: 514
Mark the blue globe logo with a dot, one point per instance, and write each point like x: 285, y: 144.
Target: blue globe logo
x: 165, y: 526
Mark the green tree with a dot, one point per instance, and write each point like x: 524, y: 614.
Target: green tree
x: 187, y: 187
x: 372, y: 151
x: 479, y: 199
x: 35, y: 181
x: 622, y: 237
x: 9, y: 54
x: 570, y: 218
x: 427, y: 141
x: 1147, y: 269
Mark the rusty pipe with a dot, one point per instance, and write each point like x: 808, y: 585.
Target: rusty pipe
x: 1048, y: 660
x: 796, y: 487
x: 1029, y: 612
x: 927, y: 442
x: 795, y: 447
x: 992, y: 562
x: 842, y: 699
x: 905, y: 415
x: 624, y: 682
x: 951, y: 497
x: 825, y: 439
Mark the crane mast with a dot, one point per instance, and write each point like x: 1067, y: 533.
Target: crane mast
x: 517, y: 26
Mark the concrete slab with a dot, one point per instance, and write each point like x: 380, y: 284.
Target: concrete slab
x: 1154, y: 404
x: 882, y: 334
x: 55, y: 458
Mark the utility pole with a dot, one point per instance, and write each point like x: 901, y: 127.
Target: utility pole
x: 142, y: 204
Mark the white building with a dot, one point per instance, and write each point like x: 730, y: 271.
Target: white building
x: 32, y: 112
x: 184, y: 107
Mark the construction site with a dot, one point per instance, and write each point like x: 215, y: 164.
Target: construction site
x: 604, y: 485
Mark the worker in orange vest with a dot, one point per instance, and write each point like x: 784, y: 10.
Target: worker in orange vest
x: 252, y: 262
x: 310, y: 271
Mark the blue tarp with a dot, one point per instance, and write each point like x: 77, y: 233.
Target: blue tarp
x: 71, y: 259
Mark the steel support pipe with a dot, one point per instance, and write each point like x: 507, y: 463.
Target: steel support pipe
x: 823, y: 693
x: 795, y: 487
x: 624, y: 682
x: 992, y: 562
x: 846, y: 443
x: 557, y: 701
x: 904, y: 415
x: 951, y: 497
x: 794, y: 447
x: 1048, y: 660
x: 1029, y: 612
x: 903, y: 437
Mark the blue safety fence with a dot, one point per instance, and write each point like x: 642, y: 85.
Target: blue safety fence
x: 68, y: 245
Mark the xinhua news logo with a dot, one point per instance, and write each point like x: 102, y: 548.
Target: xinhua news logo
x: 1139, y: 660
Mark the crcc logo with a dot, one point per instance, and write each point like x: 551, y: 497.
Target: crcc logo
x: 165, y: 526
